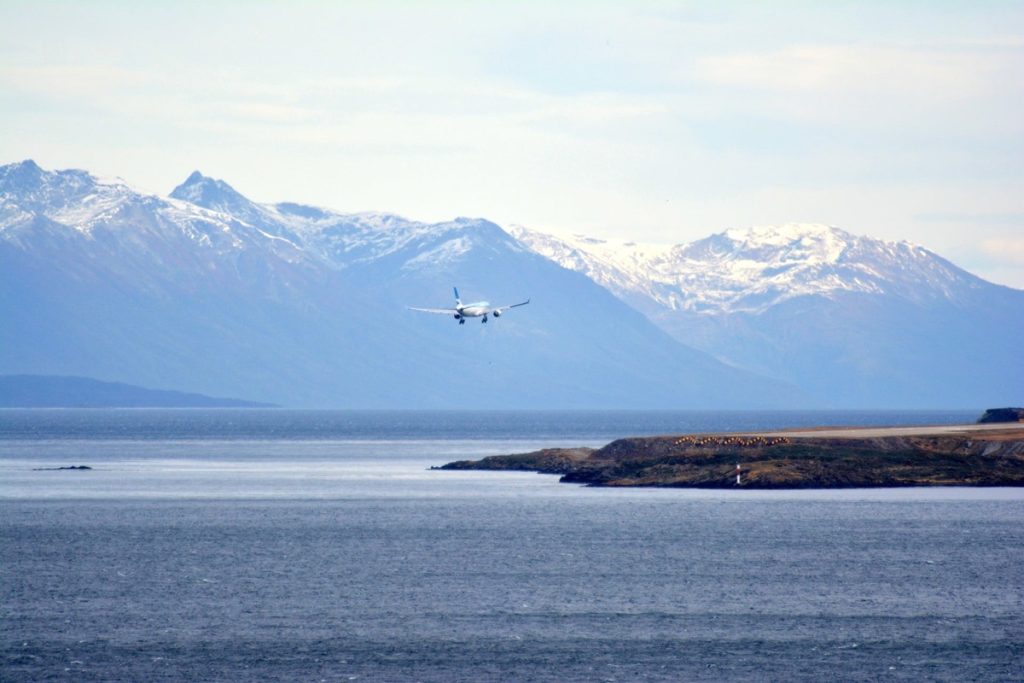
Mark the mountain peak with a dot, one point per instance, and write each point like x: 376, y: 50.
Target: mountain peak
x: 36, y: 190
x: 210, y: 193
x: 804, y: 244
x: 786, y: 233
x: 28, y: 166
x: 752, y: 269
x: 485, y: 230
x: 20, y: 174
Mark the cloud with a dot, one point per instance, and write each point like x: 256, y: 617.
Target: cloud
x: 996, y: 258
x: 232, y: 96
x: 856, y: 68
x: 263, y: 112
x: 71, y: 80
x: 1004, y: 250
x: 970, y: 85
x: 973, y: 218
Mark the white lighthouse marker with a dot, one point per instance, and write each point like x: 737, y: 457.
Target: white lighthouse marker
x: 737, y: 474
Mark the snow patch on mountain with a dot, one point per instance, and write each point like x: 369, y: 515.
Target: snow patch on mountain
x: 442, y: 255
x: 100, y: 210
x: 739, y: 270
x: 342, y: 240
x: 72, y: 197
x: 212, y: 214
x: 750, y: 270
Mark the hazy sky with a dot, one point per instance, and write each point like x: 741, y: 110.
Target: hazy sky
x: 650, y: 121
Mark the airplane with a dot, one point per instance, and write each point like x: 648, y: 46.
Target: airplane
x: 474, y: 310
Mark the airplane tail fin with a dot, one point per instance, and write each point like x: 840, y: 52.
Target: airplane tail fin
x: 458, y: 301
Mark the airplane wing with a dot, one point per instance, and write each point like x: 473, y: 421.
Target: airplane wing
x: 445, y: 311
x: 502, y: 309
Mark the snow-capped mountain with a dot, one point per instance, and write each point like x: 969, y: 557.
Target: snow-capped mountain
x: 343, y: 240
x: 206, y: 290
x: 751, y: 270
x: 88, y: 205
x: 870, y: 321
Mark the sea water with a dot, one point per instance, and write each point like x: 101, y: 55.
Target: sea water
x: 306, y: 546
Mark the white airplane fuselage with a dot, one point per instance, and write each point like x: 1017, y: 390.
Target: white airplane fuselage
x: 474, y: 310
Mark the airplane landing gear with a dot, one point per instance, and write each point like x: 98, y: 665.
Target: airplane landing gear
x: 462, y: 321
x: 485, y: 318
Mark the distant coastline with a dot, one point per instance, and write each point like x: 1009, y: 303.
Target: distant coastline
x: 959, y: 455
x: 49, y: 391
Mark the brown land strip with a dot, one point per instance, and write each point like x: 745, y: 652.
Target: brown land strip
x: 959, y: 455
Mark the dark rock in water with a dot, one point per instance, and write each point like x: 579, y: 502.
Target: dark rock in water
x: 68, y: 467
x: 1002, y: 415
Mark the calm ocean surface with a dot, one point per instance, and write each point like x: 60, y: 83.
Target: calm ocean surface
x: 237, y: 545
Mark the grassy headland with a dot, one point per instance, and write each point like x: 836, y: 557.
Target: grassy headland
x: 853, y: 459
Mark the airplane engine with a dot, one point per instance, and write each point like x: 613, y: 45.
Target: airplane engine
x: 458, y: 317
x: 496, y: 314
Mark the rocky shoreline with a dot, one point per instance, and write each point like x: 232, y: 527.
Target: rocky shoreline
x: 786, y: 460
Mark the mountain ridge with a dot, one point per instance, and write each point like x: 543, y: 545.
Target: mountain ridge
x: 249, y: 298
x: 307, y: 307
x: 833, y: 312
x: 749, y: 270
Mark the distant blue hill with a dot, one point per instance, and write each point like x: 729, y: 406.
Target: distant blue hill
x: 43, y: 391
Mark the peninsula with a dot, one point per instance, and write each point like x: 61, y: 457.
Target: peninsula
x: 948, y: 455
